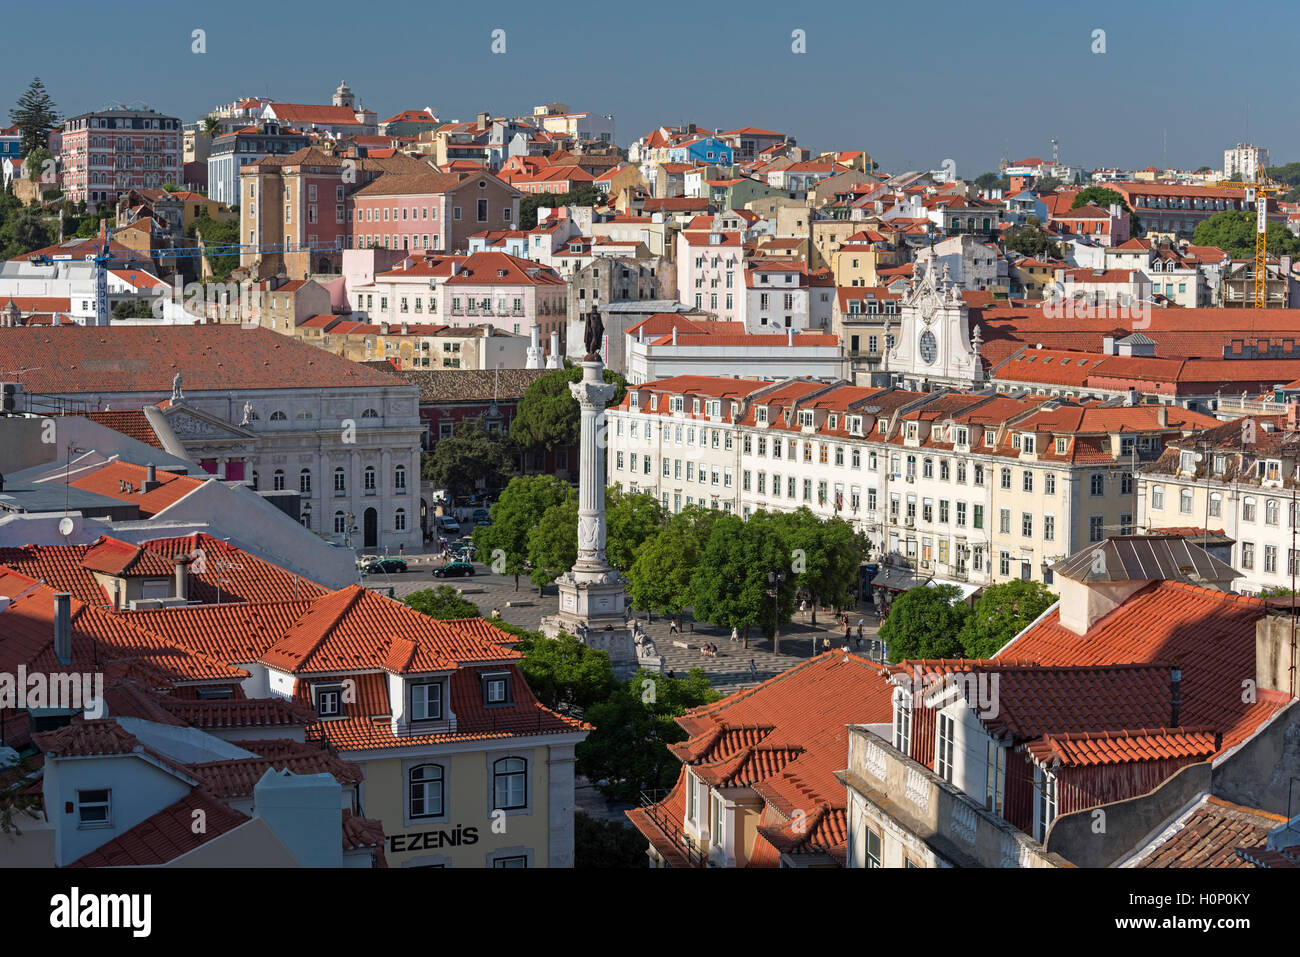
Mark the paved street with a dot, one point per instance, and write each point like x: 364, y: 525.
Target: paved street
x: 727, y: 672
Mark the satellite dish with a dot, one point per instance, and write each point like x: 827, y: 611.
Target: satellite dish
x: 65, y: 526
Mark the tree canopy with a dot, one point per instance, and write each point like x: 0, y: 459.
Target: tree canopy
x: 519, y: 509
x: 548, y: 416
x: 1001, y: 613
x: 987, y: 181
x: 217, y: 234
x: 628, y: 750
x: 473, y: 458
x: 443, y: 603
x: 730, y: 586
x: 35, y: 116
x: 564, y: 673
x: 633, y: 518
x: 1032, y: 240
x: 925, y: 622
x: 1233, y: 231
x: 660, y: 578
x: 553, y: 543
x: 583, y: 195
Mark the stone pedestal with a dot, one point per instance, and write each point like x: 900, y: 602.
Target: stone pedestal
x: 593, y: 606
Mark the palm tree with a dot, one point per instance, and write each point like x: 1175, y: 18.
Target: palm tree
x: 211, y: 127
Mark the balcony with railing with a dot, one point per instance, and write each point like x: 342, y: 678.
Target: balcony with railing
x: 687, y: 846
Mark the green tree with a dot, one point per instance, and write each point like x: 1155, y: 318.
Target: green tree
x: 37, y: 162
x: 443, y: 603
x: 1233, y: 231
x: 628, y: 751
x: 473, y: 458
x: 992, y: 181
x: 584, y: 195
x: 564, y: 673
x: 1103, y: 196
x: 1000, y: 614
x: 35, y: 116
x: 605, y: 844
x: 217, y: 234
x: 1031, y: 240
x: 1047, y: 184
x: 548, y: 417
x: 925, y: 622
x: 211, y: 127
x: 1276, y: 591
x: 660, y: 578
x: 553, y: 544
x: 132, y: 309
x: 825, y: 556
x: 519, y: 509
x: 730, y: 586
x: 22, y: 232
x: 633, y: 518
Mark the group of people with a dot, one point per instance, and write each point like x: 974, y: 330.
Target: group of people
x: 709, y: 650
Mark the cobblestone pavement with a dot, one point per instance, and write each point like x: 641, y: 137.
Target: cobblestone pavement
x: 727, y: 672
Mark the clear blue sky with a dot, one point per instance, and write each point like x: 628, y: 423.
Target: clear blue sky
x: 913, y: 83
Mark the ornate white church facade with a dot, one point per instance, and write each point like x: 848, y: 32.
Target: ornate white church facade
x: 934, y: 346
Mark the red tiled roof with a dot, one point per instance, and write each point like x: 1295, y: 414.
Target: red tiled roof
x: 1211, y: 834
x: 107, y: 480
x: 237, y: 778
x: 167, y: 834
x: 131, y: 423
x: 1209, y: 634
x: 87, y: 739
x: 211, y: 358
x: 239, y: 713
x: 1161, y: 744
x: 119, y: 559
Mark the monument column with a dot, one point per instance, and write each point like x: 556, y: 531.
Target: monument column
x: 592, y: 601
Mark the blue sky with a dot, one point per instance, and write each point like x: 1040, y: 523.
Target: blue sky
x: 914, y: 84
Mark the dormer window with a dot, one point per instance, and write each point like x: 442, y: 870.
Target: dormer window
x: 760, y: 415
x: 634, y: 400
x: 962, y: 436
x: 496, y: 688
x: 654, y: 401
x: 1220, y: 464
x: 1062, y: 444
x: 1273, y: 470
x: 911, y: 430
x: 328, y: 700
x: 989, y: 437
x: 735, y: 411
x: 881, y: 426
x: 1015, y: 441
x: 695, y: 406
x: 1187, y: 462
x: 855, y: 424
x: 676, y: 403
x: 834, y: 421
x: 806, y: 420
x: 426, y: 701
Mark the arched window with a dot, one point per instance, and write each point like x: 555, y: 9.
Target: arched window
x: 369, y: 479
x: 304, y: 414
x: 340, y: 482
x: 340, y: 523
x: 425, y: 790
x: 399, y: 478
x: 278, y: 416
x: 510, y: 783
x: 304, y: 481
x: 370, y: 414
x: 399, y: 520
x: 277, y: 481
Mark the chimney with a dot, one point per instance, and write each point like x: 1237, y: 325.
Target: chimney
x: 406, y: 328
x: 674, y: 335
x: 1108, y: 345
x: 1162, y: 416
x: 1176, y: 689
x: 789, y: 337
x: 150, y: 478
x: 63, y: 627
x: 182, y: 577
x: 1132, y: 397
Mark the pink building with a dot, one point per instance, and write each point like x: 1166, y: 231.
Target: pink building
x: 430, y: 210
x: 711, y: 273
x: 104, y: 153
x: 512, y: 294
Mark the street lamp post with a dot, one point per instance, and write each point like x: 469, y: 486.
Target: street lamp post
x: 349, y: 527
x: 776, y: 579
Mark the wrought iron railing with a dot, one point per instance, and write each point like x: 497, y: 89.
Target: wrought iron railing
x: 650, y: 803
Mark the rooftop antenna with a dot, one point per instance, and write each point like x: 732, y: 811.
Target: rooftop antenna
x: 1056, y: 156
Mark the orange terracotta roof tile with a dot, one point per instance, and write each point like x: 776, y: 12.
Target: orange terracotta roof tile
x: 167, y: 834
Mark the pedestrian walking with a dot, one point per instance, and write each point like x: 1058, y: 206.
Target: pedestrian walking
x: 803, y: 607
x: 753, y: 669
x: 401, y: 549
x: 826, y: 643
x: 672, y: 626
x: 735, y: 634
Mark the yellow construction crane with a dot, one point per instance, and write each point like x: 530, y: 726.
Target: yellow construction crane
x: 1259, y: 190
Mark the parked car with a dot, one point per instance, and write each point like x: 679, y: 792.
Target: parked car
x: 481, y: 516
x: 454, y: 570
x: 384, y: 565
x: 448, y: 525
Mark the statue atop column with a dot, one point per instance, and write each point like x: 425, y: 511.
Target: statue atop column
x: 594, y: 338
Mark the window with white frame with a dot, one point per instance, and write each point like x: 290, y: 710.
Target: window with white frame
x: 943, y: 746
x: 95, y: 807
x: 509, y: 784
x: 425, y: 791
x: 426, y: 701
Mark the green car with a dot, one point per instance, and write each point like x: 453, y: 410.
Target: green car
x: 454, y: 570
x: 385, y: 565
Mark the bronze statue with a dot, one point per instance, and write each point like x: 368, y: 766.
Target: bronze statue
x: 594, y: 337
